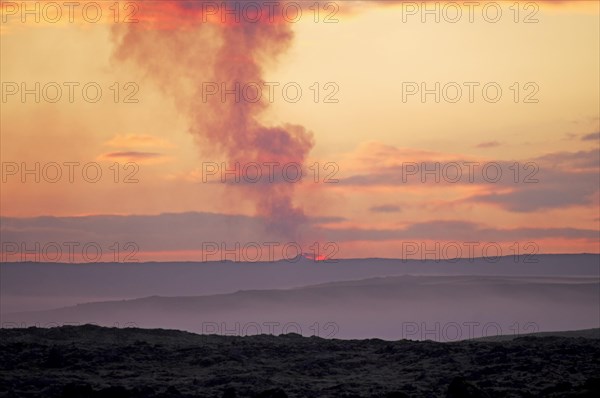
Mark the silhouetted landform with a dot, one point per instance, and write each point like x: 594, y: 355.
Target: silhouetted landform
x: 440, y: 308
x: 38, y: 286
x: 586, y: 333
x: 90, y: 361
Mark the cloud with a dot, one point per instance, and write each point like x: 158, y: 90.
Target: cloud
x: 444, y: 230
x: 488, y: 144
x: 591, y: 137
x: 129, y: 149
x: 151, y: 233
x: 554, y: 180
x: 385, y: 209
x: 180, y: 231
x: 134, y: 156
x: 532, y: 200
x: 565, y: 179
x: 187, y: 232
x: 571, y: 161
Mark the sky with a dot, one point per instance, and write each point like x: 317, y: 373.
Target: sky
x: 394, y: 162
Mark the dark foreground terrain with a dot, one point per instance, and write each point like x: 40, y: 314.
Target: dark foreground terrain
x: 91, y: 361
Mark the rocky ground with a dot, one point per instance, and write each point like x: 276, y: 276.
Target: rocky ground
x: 90, y: 361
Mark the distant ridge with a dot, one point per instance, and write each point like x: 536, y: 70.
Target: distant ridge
x: 584, y: 333
x: 61, y: 284
x: 391, y: 308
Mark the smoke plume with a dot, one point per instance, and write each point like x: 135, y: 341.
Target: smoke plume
x: 182, y: 46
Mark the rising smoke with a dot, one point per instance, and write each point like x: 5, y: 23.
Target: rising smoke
x: 182, y: 45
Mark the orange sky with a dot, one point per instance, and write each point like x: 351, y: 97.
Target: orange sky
x: 376, y: 140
